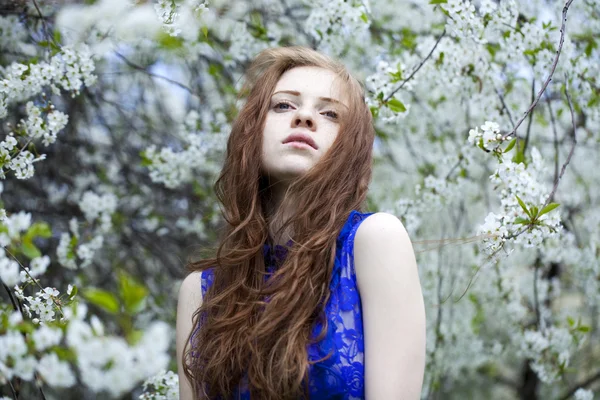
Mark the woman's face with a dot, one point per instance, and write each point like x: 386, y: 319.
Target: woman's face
x: 307, y: 101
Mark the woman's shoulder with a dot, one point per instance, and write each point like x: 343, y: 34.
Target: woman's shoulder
x: 189, y: 291
x: 376, y: 225
x: 354, y: 220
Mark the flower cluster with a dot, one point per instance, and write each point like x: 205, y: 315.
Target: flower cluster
x: 163, y: 386
x: 169, y: 11
x: 550, y: 351
x: 464, y: 21
x: 176, y: 168
x: 583, y: 394
x: 108, y: 363
x: 14, y: 36
x: 518, y: 185
x: 19, y: 359
x: 100, y: 207
x: 489, y: 136
x: 105, y: 363
x: 21, y: 161
x: 71, y: 68
x: 43, y: 304
x: 69, y: 247
x: 244, y: 45
x: 436, y: 191
x: 381, y: 84
x: 332, y: 23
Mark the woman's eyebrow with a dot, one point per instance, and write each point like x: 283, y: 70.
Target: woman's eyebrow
x: 325, y: 99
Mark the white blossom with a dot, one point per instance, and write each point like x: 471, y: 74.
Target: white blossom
x: 55, y: 372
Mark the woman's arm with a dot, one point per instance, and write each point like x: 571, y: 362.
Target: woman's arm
x: 393, y: 309
x: 190, y: 299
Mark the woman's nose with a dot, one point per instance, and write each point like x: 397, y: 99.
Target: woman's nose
x: 303, y: 119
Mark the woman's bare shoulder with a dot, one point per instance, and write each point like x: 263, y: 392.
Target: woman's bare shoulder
x: 190, y: 290
x: 190, y: 299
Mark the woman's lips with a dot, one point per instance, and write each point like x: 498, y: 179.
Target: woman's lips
x: 299, y: 145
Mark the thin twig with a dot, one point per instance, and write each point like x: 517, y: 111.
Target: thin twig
x: 536, y: 301
x: 530, y: 118
x: 582, y: 384
x: 562, y: 170
x: 438, y: 322
x: 145, y: 70
x: 12, y: 299
x: 543, y: 89
x: 12, y: 388
x: 553, y: 122
x: 44, y: 26
x: 505, y: 107
x: 35, y: 281
x: 418, y: 68
x: 40, y: 388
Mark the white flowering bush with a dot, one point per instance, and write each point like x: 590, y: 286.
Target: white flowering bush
x: 113, y: 121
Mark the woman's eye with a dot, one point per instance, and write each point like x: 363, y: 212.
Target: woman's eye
x: 278, y: 106
x: 331, y: 114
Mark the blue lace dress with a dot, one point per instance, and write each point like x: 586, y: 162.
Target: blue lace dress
x: 342, y: 375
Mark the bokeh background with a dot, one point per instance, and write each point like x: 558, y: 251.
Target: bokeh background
x: 114, y: 116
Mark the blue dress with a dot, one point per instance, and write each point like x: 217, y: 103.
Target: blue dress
x: 342, y: 375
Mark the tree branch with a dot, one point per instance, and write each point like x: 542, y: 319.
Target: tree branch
x: 579, y: 385
x: 418, y: 68
x: 530, y: 118
x: 145, y: 70
x: 556, y: 155
x: 562, y: 170
x: 505, y: 107
x: 545, y: 85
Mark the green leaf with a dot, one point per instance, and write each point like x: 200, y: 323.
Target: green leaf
x: 214, y: 69
x: 396, y: 76
x: 492, y: 48
x: 534, y: 212
x: 438, y: 1
x: 510, y: 145
x: 548, y: 208
x: 440, y: 59
x: 40, y: 229
x: 145, y: 160
x: 73, y: 293
x: 591, y: 45
x: 71, y: 248
x: 396, y: 105
x: 57, y: 36
x: 103, y: 299
x: 205, y: 31
x: 374, y: 111
x: 29, y: 249
x: 364, y: 17
x: 521, y: 221
x: 523, y: 206
x: 134, y: 336
x: 169, y: 42
x: 583, y: 328
x: 571, y: 321
x: 132, y: 293
x: 519, y: 157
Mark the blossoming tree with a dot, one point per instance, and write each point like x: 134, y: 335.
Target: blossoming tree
x: 113, y: 121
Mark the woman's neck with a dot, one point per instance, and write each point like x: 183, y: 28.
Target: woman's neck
x: 277, y: 215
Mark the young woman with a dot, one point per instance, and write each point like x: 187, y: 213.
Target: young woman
x: 308, y: 296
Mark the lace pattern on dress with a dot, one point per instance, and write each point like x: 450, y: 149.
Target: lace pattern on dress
x: 342, y: 375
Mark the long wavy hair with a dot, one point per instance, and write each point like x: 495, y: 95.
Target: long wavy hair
x: 238, y: 332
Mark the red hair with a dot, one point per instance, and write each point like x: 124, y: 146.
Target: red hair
x: 240, y: 333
